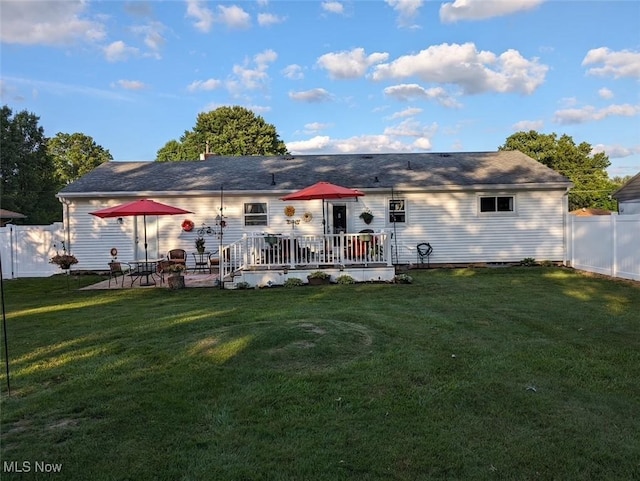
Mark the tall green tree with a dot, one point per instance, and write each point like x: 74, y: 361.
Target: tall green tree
x: 587, y: 170
x: 225, y: 131
x: 74, y: 155
x: 26, y: 169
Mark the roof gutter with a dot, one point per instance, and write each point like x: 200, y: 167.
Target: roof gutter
x: 278, y: 192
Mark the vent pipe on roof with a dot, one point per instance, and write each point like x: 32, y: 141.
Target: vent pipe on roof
x: 376, y: 179
x: 273, y: 179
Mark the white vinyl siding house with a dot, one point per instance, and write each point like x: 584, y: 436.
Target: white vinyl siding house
x: 471, y: 207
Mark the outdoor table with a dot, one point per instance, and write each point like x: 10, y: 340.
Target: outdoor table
x: 201, y: 260
x: 146, y: 269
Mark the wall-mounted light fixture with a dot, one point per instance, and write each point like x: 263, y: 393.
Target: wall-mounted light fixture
x: 120, y: 221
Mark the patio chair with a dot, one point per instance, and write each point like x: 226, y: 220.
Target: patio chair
x: 161, y: 268
x: 178, y: 256
x: 117, y: 269
x: 214, y: 261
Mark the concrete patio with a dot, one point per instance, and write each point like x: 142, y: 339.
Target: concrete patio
x: 190, y: 280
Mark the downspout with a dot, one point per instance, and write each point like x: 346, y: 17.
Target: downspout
x: 565, y: 208
x: 66, y: 224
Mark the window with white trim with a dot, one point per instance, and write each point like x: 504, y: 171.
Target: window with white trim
x: 501, y: 203
x: 255, y: 213
x: 397, y: 211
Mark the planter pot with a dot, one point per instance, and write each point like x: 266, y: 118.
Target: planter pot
x: 175, y: 282
x: 367, y: 218
x: 316, y: 281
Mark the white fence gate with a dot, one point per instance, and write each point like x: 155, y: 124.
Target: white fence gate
x: 605, y: 244
x: 25, y: 250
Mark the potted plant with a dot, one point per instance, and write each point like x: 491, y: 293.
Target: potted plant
x: 176, y: 277
x: 318, y: 277
x: 200, y: 244
x: 366, y: 216
x: 64, y: 261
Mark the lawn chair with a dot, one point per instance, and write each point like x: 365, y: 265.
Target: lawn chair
x: 117, y: 269
x: 178, y: 256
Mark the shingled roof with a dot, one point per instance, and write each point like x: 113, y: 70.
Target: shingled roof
x: 629, y: 191
x: 425, y: 171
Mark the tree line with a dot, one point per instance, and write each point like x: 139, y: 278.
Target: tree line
x: 33, y: 167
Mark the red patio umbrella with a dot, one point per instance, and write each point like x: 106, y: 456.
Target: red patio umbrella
x: 143, y: 207
x: 323, y: 190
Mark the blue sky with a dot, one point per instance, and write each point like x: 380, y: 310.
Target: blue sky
x: 332, y: 76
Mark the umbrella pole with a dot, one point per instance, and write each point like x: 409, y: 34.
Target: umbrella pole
x: 146, y: 257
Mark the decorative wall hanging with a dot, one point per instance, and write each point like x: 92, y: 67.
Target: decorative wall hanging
x: 187, y: 225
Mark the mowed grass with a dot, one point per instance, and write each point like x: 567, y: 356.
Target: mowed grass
x: 514, y: 373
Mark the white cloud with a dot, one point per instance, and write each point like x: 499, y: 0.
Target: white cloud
x: 463, y: 65
x: 483, y: 9
x: 47, y: 23
x: 605, y: 93
x: 616, y: 151
x: 315, y: 127
x: 624, y: 63
x: 333, y: 7
x: 249, y: 78
x: 203, y: 16
x: 591, y: 114
x: 63, y: 89
x: 152, y: 33
x: 130, y: 84
x: 233, y: 17
x: 119, y: 51
x: 360, y: 144
x: 527, y: 125
x: 407, y: 10
x: 422, y: 143
x: 268, y: 19
x: 350, y: 65
x: 408, y: 112
x: 311, y: 96
x: 314, y: 144
x: 407, y: 92
x: 411, y: 128
x: 293, y: 72
x: 204, y: 85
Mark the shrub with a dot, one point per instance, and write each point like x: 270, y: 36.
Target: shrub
x: 403, y: 279
x: 528, y: 261
x: 293, y: 282
x: 345, y: 279
x: 318, y: 275
x: 243, y: 285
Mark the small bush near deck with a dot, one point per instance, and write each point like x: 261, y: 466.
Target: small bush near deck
x: 293, y: 282
x: 528, y: 262
x: 345, y: 279
x: 243, y: 285
x: 403, y: 279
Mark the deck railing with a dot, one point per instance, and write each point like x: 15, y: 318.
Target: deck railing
x: 273, y: 251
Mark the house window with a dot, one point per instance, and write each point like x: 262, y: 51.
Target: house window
x: 255, y: 213
x: 497, y: 204
x: 397, y: 212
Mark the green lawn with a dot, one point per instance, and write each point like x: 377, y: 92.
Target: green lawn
x: 512, y: 373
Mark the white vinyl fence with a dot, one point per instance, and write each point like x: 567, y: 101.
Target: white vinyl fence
x: 25, y: 250
x: 605, y: 244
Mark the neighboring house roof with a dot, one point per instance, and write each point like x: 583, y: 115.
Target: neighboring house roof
x: 424, y: 171
x: 589, y: 211
x: 629, y: 191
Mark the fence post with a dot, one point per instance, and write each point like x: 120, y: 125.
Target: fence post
x: 614, y: 246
